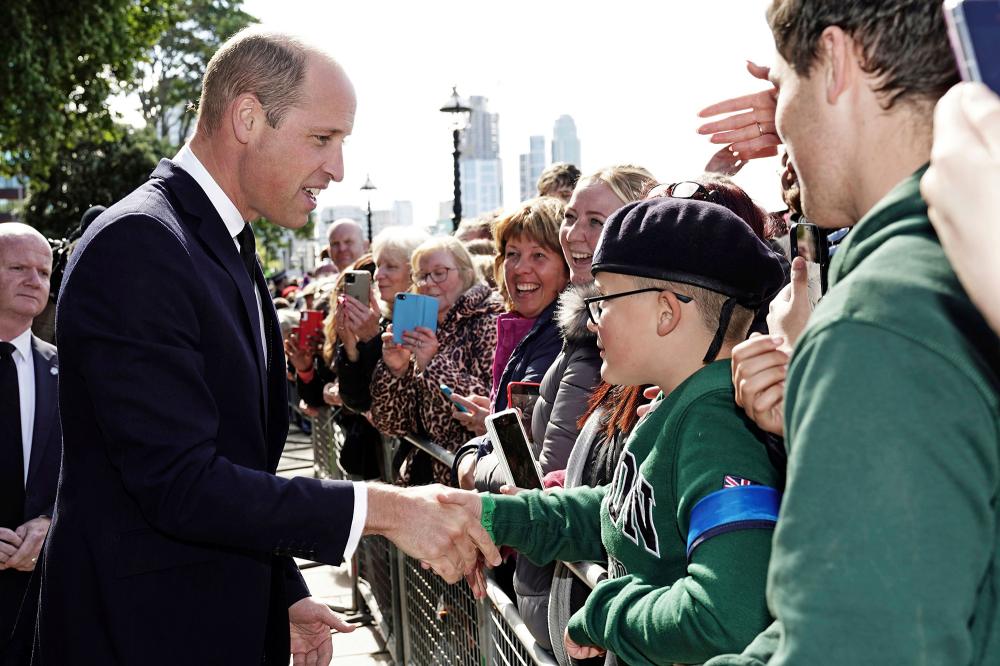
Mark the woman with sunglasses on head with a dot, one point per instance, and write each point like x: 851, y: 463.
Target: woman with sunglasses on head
x: 406, y: 393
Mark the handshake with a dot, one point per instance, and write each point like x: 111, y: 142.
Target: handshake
x: 437, y: 525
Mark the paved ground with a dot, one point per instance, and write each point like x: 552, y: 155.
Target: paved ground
x: 331, y: 584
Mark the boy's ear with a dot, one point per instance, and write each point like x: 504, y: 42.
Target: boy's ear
x: 668, y: 313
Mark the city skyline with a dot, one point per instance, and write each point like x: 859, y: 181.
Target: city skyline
x: 625, y: 76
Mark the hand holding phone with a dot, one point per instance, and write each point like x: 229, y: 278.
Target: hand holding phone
x: 510, y: 443
x: 448, y: 394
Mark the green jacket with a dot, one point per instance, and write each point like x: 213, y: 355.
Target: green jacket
x: 886, y: 549
x: 659, y: 606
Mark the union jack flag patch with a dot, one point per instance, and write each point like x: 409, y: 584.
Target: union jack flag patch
x: 730, y: 481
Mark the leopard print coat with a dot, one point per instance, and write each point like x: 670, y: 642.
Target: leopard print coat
x: 467, y: 337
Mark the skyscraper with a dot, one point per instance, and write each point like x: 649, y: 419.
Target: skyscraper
x: 565, y: 144
x: 532, y: 165
x: 481, y: 172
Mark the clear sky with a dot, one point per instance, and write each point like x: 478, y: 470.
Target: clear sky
x: 633, y: 75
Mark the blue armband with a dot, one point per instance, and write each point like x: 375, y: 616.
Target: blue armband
x: 730, y: 509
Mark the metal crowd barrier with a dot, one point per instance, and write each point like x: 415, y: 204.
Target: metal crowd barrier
x: 422, y: 620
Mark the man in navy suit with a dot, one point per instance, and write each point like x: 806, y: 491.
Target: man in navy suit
x: 172, y: 539
x: 30, y: 439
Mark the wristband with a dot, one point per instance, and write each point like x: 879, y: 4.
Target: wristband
x: 306, y: 376
x: 486, y: 517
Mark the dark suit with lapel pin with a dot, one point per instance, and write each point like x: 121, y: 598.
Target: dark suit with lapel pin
x: 43, y: 472
x: 172, y: 537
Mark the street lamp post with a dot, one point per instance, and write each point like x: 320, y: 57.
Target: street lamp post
x: 460, y: 116
x: 368, y: 187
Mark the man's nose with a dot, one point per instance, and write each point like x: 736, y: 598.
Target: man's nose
x: 334, y: 164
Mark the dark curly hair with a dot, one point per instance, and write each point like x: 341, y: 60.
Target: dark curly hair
x: 904, y: 43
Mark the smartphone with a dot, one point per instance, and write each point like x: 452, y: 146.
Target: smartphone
x: 974, y: 30
x: 310, y: 327
x: 510, y: 443
x: 809, y: 242
x: 411, y: 311
x: 447, y: 393
x: 522, y: 396
x: 358, y: 285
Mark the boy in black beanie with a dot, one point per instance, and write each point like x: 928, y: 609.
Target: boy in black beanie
x: 687, y: 521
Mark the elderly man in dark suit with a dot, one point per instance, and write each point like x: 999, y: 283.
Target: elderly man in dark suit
x: 172, y: 539
x: 30, y: 438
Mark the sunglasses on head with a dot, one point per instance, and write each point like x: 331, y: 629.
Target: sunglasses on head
x: 685, y: 189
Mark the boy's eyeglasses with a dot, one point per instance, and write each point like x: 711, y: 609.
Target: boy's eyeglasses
x: 686, y: 189
x: 437, y: 276
x: 595, y: 309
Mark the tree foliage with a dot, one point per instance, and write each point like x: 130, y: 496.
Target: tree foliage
x: 63, y: 60
x: 92, y: 173
x: 172, y: 74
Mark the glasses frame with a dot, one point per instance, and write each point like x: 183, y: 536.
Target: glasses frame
x: 701, y: 193
x: 429, y: 276
x: 597, y: 300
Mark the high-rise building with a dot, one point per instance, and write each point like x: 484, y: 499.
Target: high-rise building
x: 481, y: 139
x: 479, y: 165
x: 565, y: 144
x: 482, y: 186
x: 532, y: 165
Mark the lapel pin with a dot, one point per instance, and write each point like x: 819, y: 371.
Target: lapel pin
x: 54, y: 370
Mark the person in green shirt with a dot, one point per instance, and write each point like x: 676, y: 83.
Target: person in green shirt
x: 687, y: 520
x: 886, y: 551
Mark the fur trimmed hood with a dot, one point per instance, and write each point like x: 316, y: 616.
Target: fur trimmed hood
x: 571, y: 314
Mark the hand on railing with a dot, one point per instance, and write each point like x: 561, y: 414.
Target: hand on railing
x: 580, y: 651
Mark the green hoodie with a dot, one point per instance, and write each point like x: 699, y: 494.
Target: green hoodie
x: 886, y: 548
x: 659, y: 606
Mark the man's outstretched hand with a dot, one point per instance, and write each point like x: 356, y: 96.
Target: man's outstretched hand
x: 309, y: 624
x: 437, y: 525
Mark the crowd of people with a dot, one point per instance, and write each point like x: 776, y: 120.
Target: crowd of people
x: 780, y: 459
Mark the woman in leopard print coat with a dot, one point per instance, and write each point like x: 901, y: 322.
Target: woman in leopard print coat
x: 406, y: 394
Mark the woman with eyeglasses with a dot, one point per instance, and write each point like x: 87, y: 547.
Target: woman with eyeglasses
x: 406, y: 394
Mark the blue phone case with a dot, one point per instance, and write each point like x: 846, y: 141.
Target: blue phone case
x: 412, y: 310
x: 974, y: 29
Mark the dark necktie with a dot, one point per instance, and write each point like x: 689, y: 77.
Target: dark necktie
x: 248, y: 250
x: 248, y: 253
x: 11, y: 454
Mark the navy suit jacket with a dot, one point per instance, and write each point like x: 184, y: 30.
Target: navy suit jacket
x: 172, y: 537
x: 46, y: 438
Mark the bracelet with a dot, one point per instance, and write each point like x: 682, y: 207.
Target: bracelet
x: 486, y: 518
x: 306, y: 376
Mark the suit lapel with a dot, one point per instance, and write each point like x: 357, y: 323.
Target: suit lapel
x: 212, y: 231
x: 44, y: 361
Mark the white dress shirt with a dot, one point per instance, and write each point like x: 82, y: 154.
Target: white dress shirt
x: 25, y: 365
x: 231, y: 217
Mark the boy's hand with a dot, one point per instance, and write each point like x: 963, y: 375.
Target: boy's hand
x: 580, y: 651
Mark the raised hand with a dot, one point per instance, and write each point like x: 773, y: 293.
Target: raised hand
x: 759, y: 368
x: 789, y: 311
x: 360, y: 319
x: 301, y: 356
x: 395, y: 357
x: 961, y: 189
x: 747, y: 135
x: 309, y: 625
x: 423, y: 344
x: 473, y: 420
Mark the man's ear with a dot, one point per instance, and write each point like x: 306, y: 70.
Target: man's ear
x: 668, y: 313
x: 840, y: 54
x: 246, y: 116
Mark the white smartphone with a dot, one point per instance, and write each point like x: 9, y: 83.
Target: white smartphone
x: 510, y: 443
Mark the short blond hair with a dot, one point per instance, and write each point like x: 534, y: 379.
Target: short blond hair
x: 271, y: 65
x: 709, y: 304
x: 537, y: 219
x: 454, y: 247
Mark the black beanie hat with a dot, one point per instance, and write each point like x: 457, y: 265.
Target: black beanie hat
x: 691, y: 242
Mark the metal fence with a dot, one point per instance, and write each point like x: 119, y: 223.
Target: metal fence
x: 422, y: 620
